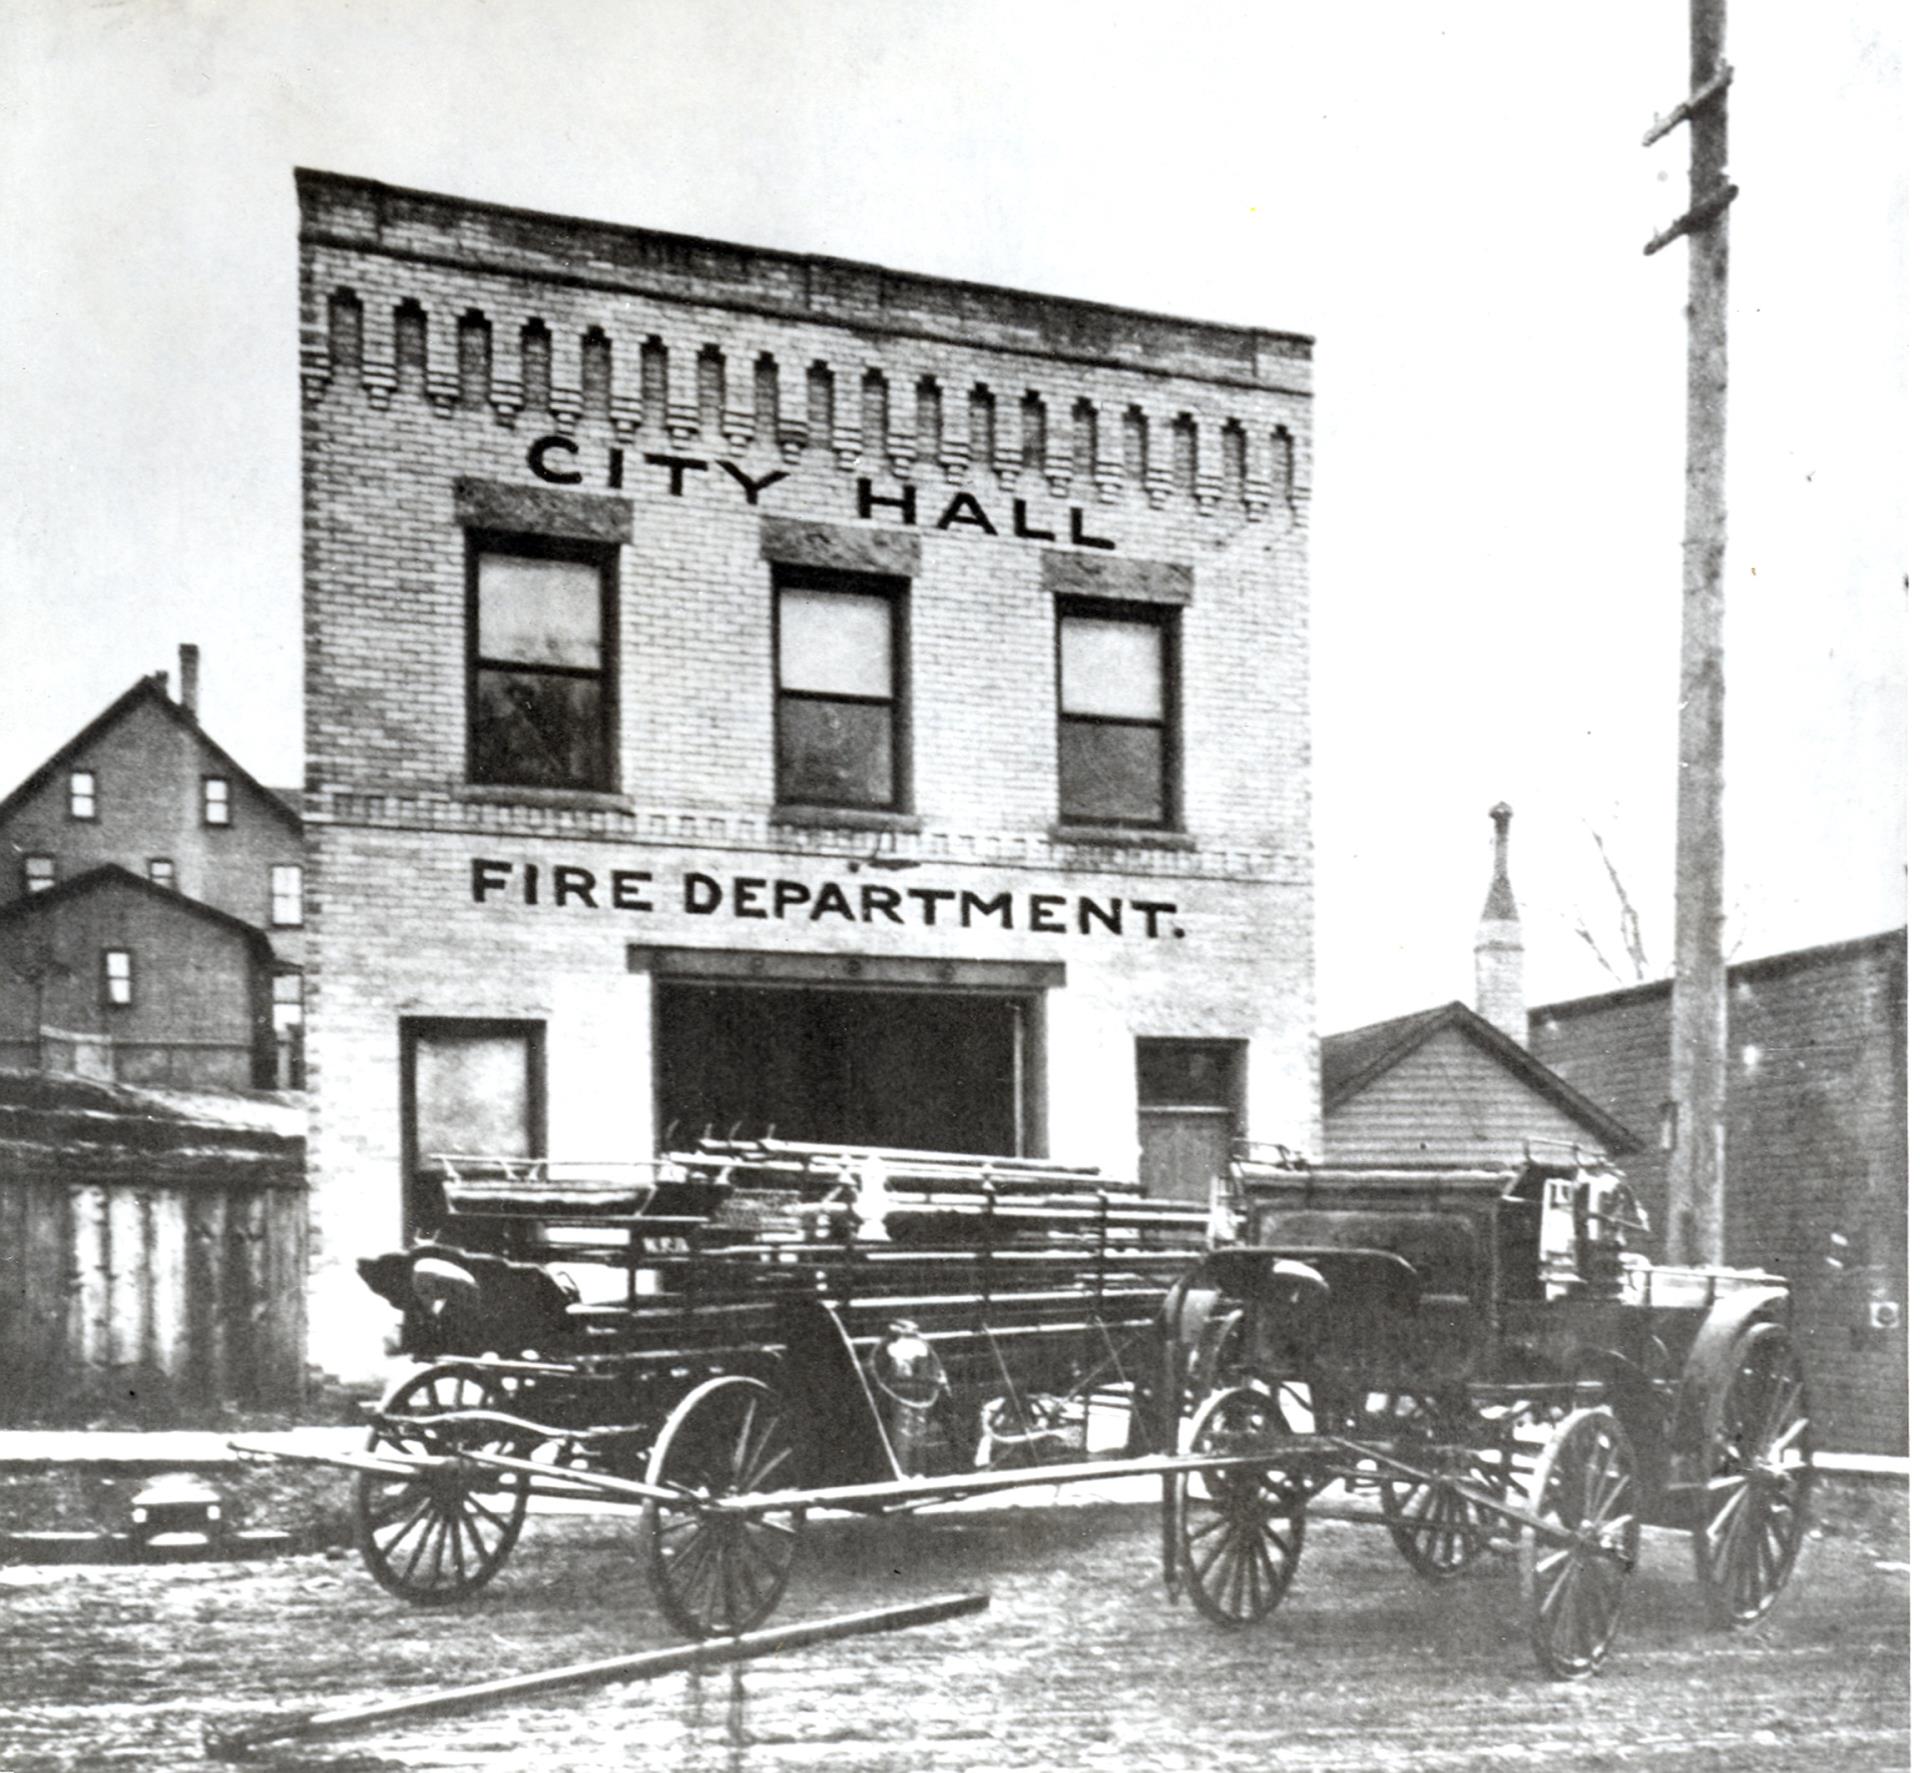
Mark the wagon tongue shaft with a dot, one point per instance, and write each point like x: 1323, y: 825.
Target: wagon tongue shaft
x: 393, y: 1464
x: 579, y: 1481
x: 1482, y: 1498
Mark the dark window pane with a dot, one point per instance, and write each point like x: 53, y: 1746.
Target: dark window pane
x: 1113, y: 773
x: 836, y: 753
x: 1185, y: 1074
x: 537, y: 730
x: 540, y: 612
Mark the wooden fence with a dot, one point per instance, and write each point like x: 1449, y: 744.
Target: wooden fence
x: 152, y: 1272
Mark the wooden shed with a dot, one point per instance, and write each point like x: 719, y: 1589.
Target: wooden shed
x: 1444, y: 1086
x: 155, y: 1254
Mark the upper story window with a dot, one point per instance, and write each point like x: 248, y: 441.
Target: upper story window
x: 116, y: 977
x: 1117, y: 763
x: 287, y: 880
x: 37, y: 873
x: 160, y: 871
x: 83, y: 795
x: 539, y: 648
x: 840, y: 720
x: 216, y: 800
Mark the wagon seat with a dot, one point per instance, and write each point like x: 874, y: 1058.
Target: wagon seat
x: 1408, y: 1256
x: 465, y: 1302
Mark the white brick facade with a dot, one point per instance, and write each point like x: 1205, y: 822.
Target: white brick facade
x: 1186, y: 447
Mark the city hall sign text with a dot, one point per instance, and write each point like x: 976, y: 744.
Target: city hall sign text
x: 556, y: 460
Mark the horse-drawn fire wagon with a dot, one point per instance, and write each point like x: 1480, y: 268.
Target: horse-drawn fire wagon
x: 730, y: 1337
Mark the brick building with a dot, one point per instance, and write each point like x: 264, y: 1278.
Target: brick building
x: 143, y: 790
x: 1816, y: 1165
x: 749, y: 689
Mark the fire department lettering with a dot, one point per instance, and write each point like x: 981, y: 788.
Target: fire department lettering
x: 778, y: 899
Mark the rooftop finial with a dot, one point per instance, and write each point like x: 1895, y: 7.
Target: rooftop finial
x: 1500, y: 989
x: 1500, y: 902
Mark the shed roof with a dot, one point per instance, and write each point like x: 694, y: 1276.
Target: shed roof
x: 1742, y: 972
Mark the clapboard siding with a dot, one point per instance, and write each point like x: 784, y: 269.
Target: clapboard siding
x: 1447, y: 1102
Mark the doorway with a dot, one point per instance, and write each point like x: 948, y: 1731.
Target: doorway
x: 920, y: 1070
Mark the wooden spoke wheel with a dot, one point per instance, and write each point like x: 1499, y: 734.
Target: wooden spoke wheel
x: 1438, y: 1530
x: 1237, y: 1530
x: 715, y: 1574
x: 441, y: 1535
x: 1573, y: 1579
x: 1754, y: 1479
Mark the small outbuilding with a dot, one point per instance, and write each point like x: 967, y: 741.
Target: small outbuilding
x: 1451, y: 1085
x: 1444, y: 1086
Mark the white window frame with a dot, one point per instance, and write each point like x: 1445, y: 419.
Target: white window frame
x: 286, y: 904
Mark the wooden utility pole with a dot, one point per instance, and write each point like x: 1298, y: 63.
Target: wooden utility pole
x: 1696, y: 1216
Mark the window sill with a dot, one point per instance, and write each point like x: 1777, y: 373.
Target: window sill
x: 580, y: 800
x: 1124, y: 837
x: 844, y: 818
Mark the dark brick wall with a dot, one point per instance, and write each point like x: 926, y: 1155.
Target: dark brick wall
x: 1816, y: 1148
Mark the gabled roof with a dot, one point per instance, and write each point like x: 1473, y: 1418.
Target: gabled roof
x: 1350, y: 1061
x: 112, y: 874
x: 148, y: 689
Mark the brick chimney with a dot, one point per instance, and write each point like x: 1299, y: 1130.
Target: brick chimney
x: 1499, y: 956
x: 190, y: 678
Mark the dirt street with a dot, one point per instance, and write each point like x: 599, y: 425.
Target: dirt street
x: 1079, y: 1663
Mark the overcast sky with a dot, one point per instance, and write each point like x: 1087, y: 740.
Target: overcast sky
x: 1451, y: 197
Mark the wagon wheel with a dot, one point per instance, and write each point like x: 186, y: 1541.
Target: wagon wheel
x: 443, y: 1534
x: 1237, y: 1530
x: 1573, y: 1586
x: 1753, y: 1477
x: 1440, y: 1532
x: 717, y: 1574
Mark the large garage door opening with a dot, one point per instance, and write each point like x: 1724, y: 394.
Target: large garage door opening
x: 924, y: 1070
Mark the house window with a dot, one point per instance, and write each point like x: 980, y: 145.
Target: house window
x: 287, y: 895
x: 1116, y: 714
x: 540, y: 687
x: 840, y: 715
x: 289, y: 1032
x: 467, y: 1088
x: 83, y: 795
x: 116, y: 977
x: 37, y: 873
x: 216, y: 800
x: 160, y: 871
x: 289, y: 1002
